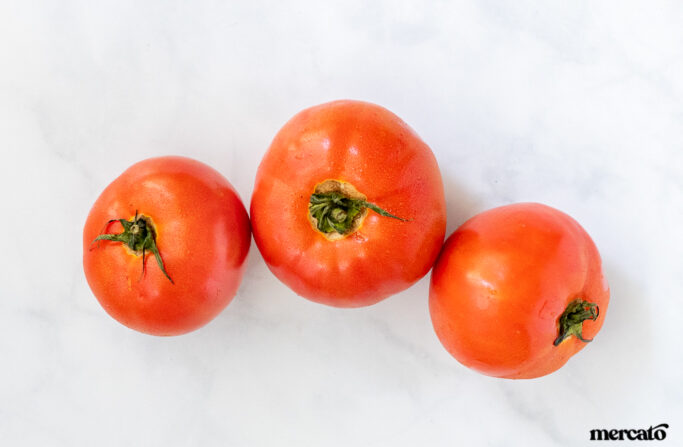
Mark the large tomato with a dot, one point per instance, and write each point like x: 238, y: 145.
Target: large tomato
x: 165, y: 245
x: 348, y: 206
x: 517, y: 290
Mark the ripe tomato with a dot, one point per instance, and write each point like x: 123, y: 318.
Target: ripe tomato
x: 517, y: 290
x: 348, y: 206
x: 190, y: 221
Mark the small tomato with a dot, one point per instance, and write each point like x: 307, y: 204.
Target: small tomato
x: 190, y: 221
x: 517, y: 291
x: 348, y: 206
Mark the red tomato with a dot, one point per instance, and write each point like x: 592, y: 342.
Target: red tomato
x: 517, y: 290
x: 173, y: 238
x: 348, y: 206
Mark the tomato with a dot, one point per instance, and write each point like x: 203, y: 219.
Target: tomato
x: 518, y: 290
x: 172, y: 243
x: 348, y: 206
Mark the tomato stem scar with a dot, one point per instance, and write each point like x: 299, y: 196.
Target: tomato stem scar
x: 336, y: 209
x: 138, y: 235
x: 571, y: 320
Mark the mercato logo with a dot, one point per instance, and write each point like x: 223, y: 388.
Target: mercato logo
x: 657, y: 433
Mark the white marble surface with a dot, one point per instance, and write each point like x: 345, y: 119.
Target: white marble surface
x: 575, y: 104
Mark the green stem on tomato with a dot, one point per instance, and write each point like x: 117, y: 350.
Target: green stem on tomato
x: 138, y: 235
x: 335, y: 212
x: 571, y: 320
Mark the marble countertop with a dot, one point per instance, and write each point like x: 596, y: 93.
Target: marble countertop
x: 578, y: 105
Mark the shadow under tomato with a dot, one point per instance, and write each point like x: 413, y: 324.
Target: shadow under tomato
x: 460, y: 204
x: 619, y: 361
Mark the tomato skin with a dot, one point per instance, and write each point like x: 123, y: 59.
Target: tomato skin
x: 203, y: 236
x: 374, y: 150
x: 501, y: 282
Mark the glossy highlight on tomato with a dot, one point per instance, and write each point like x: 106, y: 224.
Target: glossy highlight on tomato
x: 348, y: 205
x: 517, y: 290
x: 165, y: 245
